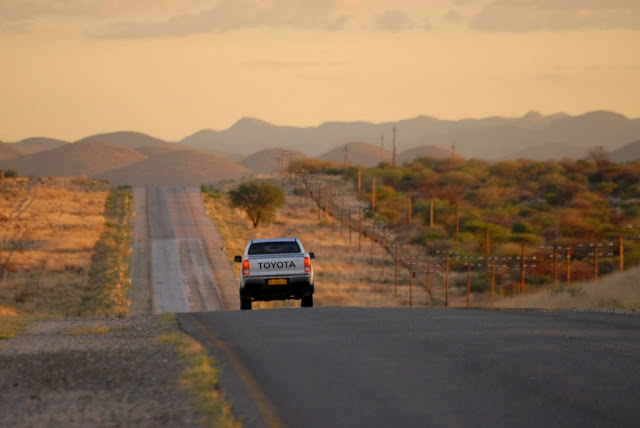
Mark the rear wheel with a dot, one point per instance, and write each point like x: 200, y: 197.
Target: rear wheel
x: 306, y: 301
x: 245, y: 304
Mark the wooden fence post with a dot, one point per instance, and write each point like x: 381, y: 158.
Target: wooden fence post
x: 468, y: 283
x: 446, y: 282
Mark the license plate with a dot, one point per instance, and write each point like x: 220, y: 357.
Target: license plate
x: 277, y: 281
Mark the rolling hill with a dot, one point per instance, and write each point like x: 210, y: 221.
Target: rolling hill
x: 129, y: 139
x: 8, y: 151
x: 38, y: 144
x: 491, y: 138
x: 549, y: 151
x: 86, y: 158
x: 183, y: 167
x: 626, y: 153
x: 360, y: 153
x: 137, y: 158
x: 270, y: 160
x: 423, y: 151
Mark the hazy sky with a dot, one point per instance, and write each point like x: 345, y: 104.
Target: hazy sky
x: 71, y: 68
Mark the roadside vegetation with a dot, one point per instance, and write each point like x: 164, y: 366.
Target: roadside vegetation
x: 348, y: 271
x: 500, y: 230
x: 473, y: 208
x: 258, y: 199
x: 65, y: 248
x: 200, y: 378
x: 48, y: 230
x: 109, y: 285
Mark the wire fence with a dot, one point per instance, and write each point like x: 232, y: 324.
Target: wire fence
x: 426, y: 276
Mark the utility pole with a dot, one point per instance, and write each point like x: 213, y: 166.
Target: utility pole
x: 457, y: 229
x: 487, y: 243
x: 373, y: 194
x: 382, y: 148
x: 431, y: 212
x: 393, y: 156
x: 346, y: 160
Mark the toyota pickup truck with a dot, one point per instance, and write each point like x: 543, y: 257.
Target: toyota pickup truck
x: 275, y: 269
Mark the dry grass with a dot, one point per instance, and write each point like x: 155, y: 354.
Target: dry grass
x: 49, y: 228
x: 200, y: 378
x: 354, y: 271
x: 347, y: 271
x: 619, y: 291
x: 107, y: 292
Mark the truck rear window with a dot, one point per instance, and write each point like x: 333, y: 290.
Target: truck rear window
x: 273, y: 248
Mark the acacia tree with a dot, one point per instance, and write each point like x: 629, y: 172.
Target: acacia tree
x: 258, y: 199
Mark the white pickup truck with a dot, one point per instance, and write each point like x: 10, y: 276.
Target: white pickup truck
x: 275, y: 269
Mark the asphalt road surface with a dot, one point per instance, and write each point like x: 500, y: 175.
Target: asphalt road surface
x: 354, y: 367
x: 175, y: 250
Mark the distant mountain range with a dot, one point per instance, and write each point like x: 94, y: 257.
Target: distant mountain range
x: 491, y: 138
x: 252, y: 146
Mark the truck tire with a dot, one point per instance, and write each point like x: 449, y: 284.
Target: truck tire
x: 306, y: 301
x: 245, y: 304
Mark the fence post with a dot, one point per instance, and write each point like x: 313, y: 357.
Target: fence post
x: 359, y: 229
x: 373, y: 240
x: 522, y: 270
x: 468, y: 283
x: 568, y: 265
x: 621, y: 246
x: 411, y: 281
x: 493, y: 279
x: 555, y: 266
x: 350, y: 224
x: 383, y: 254
x: 428, y: 286
x: 595, y: 262
x: 395, y: 273
x: 446, y: 282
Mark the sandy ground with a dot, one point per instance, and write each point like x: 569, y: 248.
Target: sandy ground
x: 112, y: 372
x: 98, y: 372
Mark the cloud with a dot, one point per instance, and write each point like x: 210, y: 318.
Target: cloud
x: 229, y: 15
x: 452, y: 16
x: 551, y: 77
x: 394, y: 21
x: 21, y: 16
x: 539, y: 15
x: 283, y: 64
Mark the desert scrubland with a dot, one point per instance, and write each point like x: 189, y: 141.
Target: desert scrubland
x: 353, y: 270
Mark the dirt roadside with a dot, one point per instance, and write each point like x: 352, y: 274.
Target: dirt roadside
x: 100, y: 371
x: 93, y: 372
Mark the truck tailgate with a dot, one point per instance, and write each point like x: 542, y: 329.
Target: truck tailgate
x: 277, y: 265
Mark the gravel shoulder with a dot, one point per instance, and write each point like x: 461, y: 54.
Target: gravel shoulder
x: 93, y: 372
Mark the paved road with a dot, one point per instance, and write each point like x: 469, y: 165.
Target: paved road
x: 175, y: 249
x: 351, y: 367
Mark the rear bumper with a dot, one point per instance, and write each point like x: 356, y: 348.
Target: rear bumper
x: 258, y: 289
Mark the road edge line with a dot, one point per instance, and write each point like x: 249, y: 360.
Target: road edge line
x: 256, y: 393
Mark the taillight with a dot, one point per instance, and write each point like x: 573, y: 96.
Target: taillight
x: 307, y: 265
x: 245, y: 267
